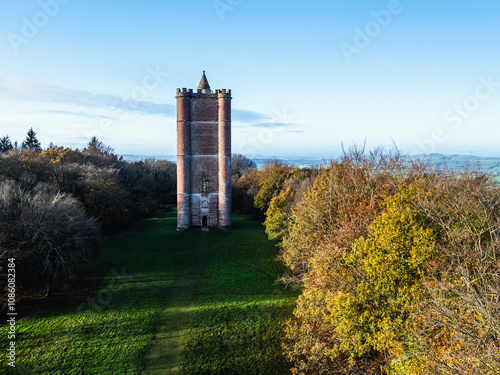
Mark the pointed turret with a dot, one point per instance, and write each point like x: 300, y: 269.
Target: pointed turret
x: 204, y: 83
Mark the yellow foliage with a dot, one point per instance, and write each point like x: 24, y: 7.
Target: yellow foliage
x: 399, y: 273
x: 278, y: 220
x: 60, y: 155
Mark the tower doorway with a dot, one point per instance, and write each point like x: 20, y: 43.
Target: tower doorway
x: 204, y: 221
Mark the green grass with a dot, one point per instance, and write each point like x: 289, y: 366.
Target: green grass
x: 240, y: 311
x: 170, y: 302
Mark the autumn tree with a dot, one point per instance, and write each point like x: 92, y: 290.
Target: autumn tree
x: 164, y: 181
x: 244, y: 188
x: 458, y: 330
x: 344, y: 200
x: 398, y: 264
x: 49, y: 194
x: 25, y: 160
x: 240, y: 163
x: 99, y: 154
x: 105, y: 197
x: 271, y: 179
x: 62, y: 155
x: 279, y: 214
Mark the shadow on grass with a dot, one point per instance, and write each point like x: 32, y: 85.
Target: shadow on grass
x: 211, y: 293
x: 238, y: 336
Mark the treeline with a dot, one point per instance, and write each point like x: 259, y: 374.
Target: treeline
x: 55, y: 204
x: 397, y: 263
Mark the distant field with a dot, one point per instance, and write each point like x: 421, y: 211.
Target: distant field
x: 191, y: 302
x: 488, y: 165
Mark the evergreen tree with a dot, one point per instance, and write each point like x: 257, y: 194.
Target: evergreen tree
x: 94, y: 141
x: 32, y: 141
x: 99, y: 154
x: 5, y: 144
x: 96, y: 147
x: 51, y: 145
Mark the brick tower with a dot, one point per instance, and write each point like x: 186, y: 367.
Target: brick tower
x: 203, y: 157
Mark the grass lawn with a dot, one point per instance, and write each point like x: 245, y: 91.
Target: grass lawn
x: 170, y: 302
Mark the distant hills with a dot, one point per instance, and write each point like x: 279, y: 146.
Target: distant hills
x: 490, y: 165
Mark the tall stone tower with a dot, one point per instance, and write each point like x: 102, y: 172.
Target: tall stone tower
x: 203, y: 157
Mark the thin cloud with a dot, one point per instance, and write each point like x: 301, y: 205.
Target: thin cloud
x: 37, y: 92
x: 247, y: 116
x: 25, y: 91
x: 81, y: 114
x: 282, y: 128
x: 244, y: 118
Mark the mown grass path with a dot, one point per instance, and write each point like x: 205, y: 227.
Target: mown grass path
x: 190, y: 303
x: 171, y: 327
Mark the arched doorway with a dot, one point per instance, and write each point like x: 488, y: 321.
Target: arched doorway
x: 204, y: 221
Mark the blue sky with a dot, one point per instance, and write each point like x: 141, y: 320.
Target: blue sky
x: 306, y: 76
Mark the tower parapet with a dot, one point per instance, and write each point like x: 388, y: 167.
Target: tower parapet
x: 223, y: 93
x: 184, y: 92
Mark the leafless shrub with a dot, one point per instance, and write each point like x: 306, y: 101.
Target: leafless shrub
x: 459, y: 331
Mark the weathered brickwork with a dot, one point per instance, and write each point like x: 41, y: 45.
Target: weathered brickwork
x: 203, y: 157
x: 204, y: 138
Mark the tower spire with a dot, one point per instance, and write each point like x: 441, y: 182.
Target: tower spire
x: 204, y: 83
